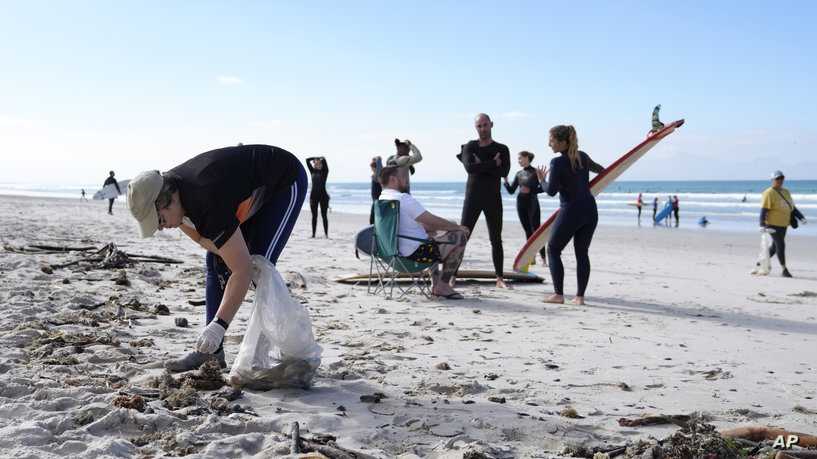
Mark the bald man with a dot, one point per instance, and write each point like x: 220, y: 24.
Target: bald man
x: 486, y: 162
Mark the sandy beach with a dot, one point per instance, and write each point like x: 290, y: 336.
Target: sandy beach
x: 674, y: 324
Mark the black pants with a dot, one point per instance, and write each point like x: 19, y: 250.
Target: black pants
x: 110, y: 205
x: 639, y: 212
x: 490, y: 203
x: 778, y: 244
x: 527, y: 207
x: 577, y: 221
x: 675, y: 212
x: 323, y: 202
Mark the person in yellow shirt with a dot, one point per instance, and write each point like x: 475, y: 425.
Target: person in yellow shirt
x: 775, y: 215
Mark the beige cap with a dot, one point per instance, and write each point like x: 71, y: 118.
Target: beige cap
x: 142, y: 193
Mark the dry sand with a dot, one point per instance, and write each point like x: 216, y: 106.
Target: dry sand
x: 672, y: 314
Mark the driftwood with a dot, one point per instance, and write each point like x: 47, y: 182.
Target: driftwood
x: 760, y: 433
x: 324, y: 444
x: 680, y: 420
x: 109, y: 256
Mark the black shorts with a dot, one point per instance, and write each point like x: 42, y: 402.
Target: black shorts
x: 428, y: 252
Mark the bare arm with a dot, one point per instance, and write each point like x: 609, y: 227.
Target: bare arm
x: 413, y: 157
x: 432, y: 222
x: 237, y: 257
x: 205, y: 243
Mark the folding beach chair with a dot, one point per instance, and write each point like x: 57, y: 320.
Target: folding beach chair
x: 386, y: 263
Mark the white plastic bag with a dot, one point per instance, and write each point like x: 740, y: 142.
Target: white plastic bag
x: 764, y: 262
x: 279, y: 349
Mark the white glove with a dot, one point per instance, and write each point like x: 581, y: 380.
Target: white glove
x: 210, y: 338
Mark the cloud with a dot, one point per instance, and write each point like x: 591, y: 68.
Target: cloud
x: 515, y: 115
x: 229, y: 80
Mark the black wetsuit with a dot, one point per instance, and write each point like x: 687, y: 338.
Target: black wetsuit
x: 577, y: 218
x: 527, y: 204
x: 318, y: 195
x: 111, y: 181
x: 482, y: 192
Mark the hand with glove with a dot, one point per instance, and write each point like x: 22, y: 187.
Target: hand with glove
x: 212, y: 336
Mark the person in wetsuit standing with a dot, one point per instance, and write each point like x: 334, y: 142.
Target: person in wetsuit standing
x: 486, y: 162
x: 111, y: 180
x: 319, y: 170
x: 569, y: 175
x: 527, y: 202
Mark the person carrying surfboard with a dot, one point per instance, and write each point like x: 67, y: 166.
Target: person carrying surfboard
x: 527, y: 201
x: 777, y: 212
x: 486, y: 161
x: 569, y: 175
x: 111, y: 180
x: 234, y: 202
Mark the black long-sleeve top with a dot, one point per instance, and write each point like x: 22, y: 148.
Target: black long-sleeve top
x: 525, y: 177
x: 112, y: 181
x: 319, y: 176
x: 571, y: 185
x: 483, y: 171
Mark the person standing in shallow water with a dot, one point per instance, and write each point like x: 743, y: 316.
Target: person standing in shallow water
x: 569, y: 175
x: 486, y: 161
x: 527, y: 201
x: 318, y: 196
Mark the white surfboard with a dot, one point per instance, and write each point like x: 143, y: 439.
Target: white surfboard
x: 540, y: 237
x: 109, y: 191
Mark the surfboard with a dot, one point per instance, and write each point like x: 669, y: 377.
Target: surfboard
x: 539, y: 238
x: 464, y: 275
x: 664, y: 213
x: 109, y: 191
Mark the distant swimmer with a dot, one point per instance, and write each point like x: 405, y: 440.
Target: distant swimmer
x: 744, y: 198
x: 569, y: 175
x: 527, y: 201
x: 486, y: 161
x: 111, y: 181
x: 703, y: 221
x: 318, y: 196
x: 657, y: 125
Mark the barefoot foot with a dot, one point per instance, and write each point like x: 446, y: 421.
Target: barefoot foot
x: 555, y: 299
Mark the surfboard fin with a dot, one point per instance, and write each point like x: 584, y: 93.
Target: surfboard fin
x: 657, y: 125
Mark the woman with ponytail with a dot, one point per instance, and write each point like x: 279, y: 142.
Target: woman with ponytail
x: 569, y: 175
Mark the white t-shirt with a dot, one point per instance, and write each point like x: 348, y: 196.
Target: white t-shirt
x: 410, y: 209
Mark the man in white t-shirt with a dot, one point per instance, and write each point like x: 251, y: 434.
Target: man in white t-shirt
x: 416, y: 222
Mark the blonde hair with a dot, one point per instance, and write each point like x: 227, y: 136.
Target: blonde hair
x: 567, y: 133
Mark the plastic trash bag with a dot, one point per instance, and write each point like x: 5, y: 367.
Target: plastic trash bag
x: 764, y: 262
x: 279, y: 349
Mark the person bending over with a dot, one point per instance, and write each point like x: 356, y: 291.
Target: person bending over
x: 234, y: 202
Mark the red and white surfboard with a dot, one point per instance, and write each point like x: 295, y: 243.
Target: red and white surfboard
x: 540, y: 237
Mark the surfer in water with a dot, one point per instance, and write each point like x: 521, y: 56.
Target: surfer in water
x: 569, y: 175
x: 318, y: 196
x: 111, y: 180
x: 486, y: 161
x: 527, y: 202
x: 234, y: 202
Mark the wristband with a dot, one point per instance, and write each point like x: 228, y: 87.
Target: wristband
x: 221, y: 322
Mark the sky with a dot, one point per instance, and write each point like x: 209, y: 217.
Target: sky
x: 89, y: 86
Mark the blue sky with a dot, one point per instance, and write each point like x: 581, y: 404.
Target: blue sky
x: 89, y: 86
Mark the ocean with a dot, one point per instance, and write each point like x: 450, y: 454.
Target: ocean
x: 728, y: 205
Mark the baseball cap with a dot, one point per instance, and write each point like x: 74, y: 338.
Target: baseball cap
x: 142, y: 194
x: 777, y: 175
